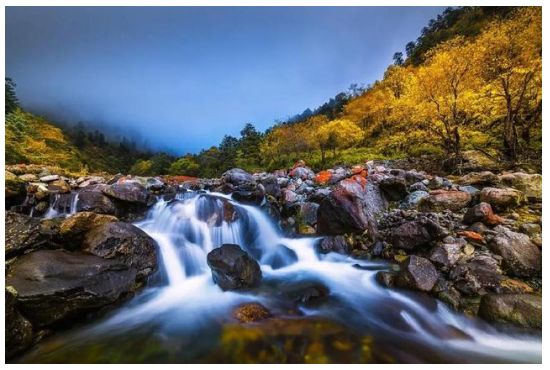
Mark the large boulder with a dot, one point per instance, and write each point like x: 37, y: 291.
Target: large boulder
x: 59, y: 186
x: 14, y: 189
x: 23, y: 233
x: 478, y: 275
x: 394, y: 188
x: 337, y: 244
x: 236, y: 176
x: 484, y: 178
x: 413, y: 234
x: 416, y: 273
x: 445, y: 200
x: 128, y: 191
x: 521, y: 257
x: 301, y: 171
x: 19, y: 332
x: 56, y: 285
x: 352, y: 206
x: 482, y: 212
x: 524, y: 310
x: 528, y: 184
x: 74, y: 227
x: 502, y: 199
x: 233, y: 268
x: 92, y: 199
x: 125, y: 243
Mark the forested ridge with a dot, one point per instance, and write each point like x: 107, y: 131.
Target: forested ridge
x: 472, y: 80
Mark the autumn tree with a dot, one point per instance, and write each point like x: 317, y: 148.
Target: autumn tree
x: 512, y: 73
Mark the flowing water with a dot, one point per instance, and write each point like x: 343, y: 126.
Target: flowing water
x: 180, y: 316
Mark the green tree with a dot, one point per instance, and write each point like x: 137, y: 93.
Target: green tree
x: 12, y: 103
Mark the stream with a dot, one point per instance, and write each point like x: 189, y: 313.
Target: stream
x: 180, y: 315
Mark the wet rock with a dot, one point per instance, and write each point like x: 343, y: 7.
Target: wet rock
x: 23, y: 233
x: 233, y: 268
x: 307, y: 293
x: 445, y: 255
x: 478, y: 275
x: 236, y: 176
x: 485, y: 178
x: 445, y: 200
x: 302, y: 172
x: 73, y: 228
x: 308, y: 213
x: 413, y: 234
x: 418, y: 186
x: 417, y: 273
x: 530, y: 185
x: 394, y: 188
x: 38, y: 190
x: 127, y: 191
x: 271, y: 186
x: 337, y: 244
x: 83, y: 182
x: 342, y: 212
x: 125, y: 243
x: 56, y: 285
x: 482, y: 212
x: 412, y: 200
x: 29, y: 177
x: 386, y: 278
x: 59, y: 186
x: 502, y: 199
x: 49, y: 178
x: 14, y: 190
x: 521, y: 257
x: 249, y: 194
x: 524, y: 310
x: 19, y: 332
x: 92, y: 199
x: 251, y: 312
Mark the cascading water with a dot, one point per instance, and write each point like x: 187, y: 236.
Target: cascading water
x: 187, y: 304
x: 61, y: 205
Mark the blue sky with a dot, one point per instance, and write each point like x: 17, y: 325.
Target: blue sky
x: 181, y: 78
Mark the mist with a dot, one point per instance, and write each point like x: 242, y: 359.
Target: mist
x: 179, y: 79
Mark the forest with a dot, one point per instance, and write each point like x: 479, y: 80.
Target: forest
x: 472, y: 80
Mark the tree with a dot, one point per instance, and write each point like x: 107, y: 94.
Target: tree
x: 337, y: 134
x: 185, y: 166
x: 445, y: 92
x: 12, y: 103
x: 512, y: 73
x: 398, y: 58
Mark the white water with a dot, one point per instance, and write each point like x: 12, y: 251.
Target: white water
x: 189, y: 227
x: 61, y: 205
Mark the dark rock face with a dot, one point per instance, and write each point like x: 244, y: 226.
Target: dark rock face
x: 443, y: 200
x: 394, y: 188
x: 417, y: 273
x: 308, y: 293
x: 271, y: 186
x: 19, y: 331
x: 233, y: 268
x: 519, y: 309
x: 92, y: 199
x: 125, y: 243
x: 479, y: 275
x: 412, y: 234
x: 445, y: 255
x: 482, y: 212
x: 128, y: 191
x: 249, y: 194
x: 251, y: 312
x: 341, y: 212
x: 338, y: 244
x: 22, y: 234
x: 73, y: 228
x: 236, y: 177
x: 56, y: 285
x: 521, y: 257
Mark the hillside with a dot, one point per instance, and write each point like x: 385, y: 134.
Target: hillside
x: 34, y: 140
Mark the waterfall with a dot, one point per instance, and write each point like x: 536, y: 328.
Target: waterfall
x: 189, y: 303
x: 61, y: 205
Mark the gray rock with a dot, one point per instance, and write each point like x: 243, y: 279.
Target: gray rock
x: 521, y: 257
x: 417, y: 273
x: 524, y: 310
x: 233, y: 268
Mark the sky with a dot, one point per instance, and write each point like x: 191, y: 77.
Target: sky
x: 182, y: 78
